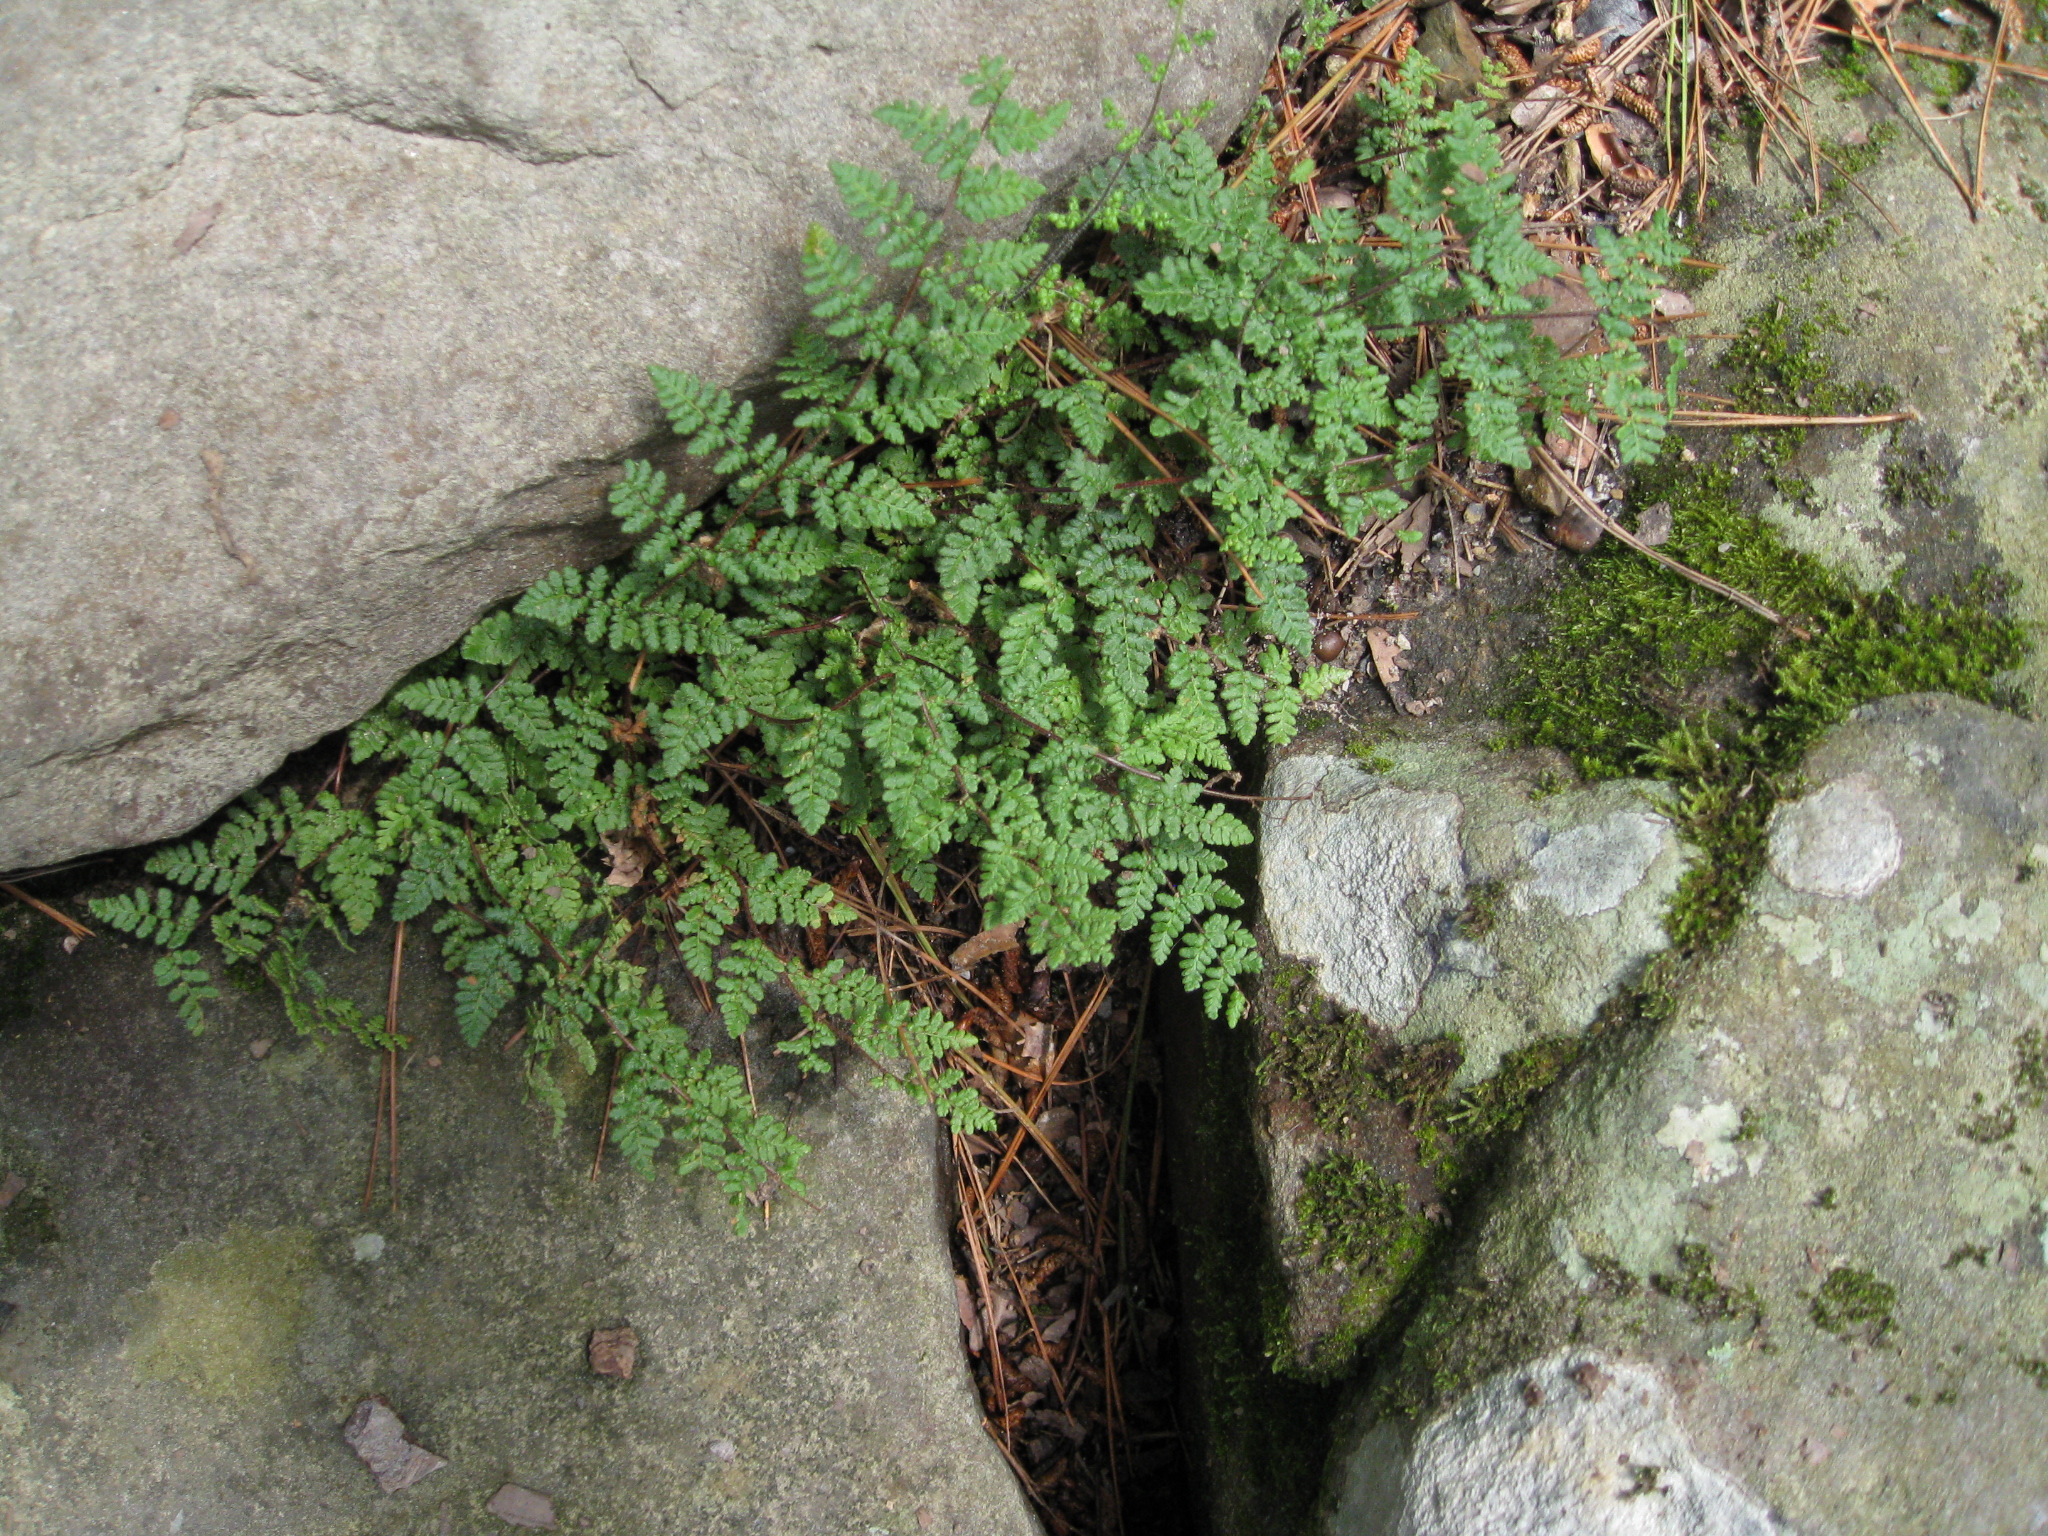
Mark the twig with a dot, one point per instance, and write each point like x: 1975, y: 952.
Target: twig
x: 1926, y: 128
x: 70, y: 925
x: 1585, y: 504
x: 1929, y: 51
x: 1984, y: 119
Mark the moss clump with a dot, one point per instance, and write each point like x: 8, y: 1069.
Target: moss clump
x: 1498, y: 1106
x: 2030, y: 1068
x: 2035, y: 1370
x: 1855, y: 1306
x: 1644, y: 672
x: 1482, y: 908
x: 1989, y: 1125
x: 222, y: 1318
x: 1696, y: 1285
x: 1781, y: 366
x: 1356, y: 1217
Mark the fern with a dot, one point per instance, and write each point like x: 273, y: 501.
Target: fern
x: 941, y: 622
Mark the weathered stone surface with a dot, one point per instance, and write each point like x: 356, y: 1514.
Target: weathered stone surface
x: 201, y: 1308
x: 1439, y: 888
x: 1807, y: 1207
x: 1459, y: 909
x: 1913, y: 293
x: 320, y: 327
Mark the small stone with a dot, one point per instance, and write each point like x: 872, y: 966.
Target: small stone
x: 522, y: 1506
x: 614, y: 1351
x: 724, y: 1450
x: 1653, y: 524
x: 433, y: 1061
x: 260, y: 1048
x: 11, y: 1186
x: 170, y: 418
x: 378, y: 1437
x: 369, y: 1248
x: 1840, y: 841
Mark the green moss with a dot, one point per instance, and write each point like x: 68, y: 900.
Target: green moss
x: 2030, y: 1068
x: 1697, y: 1287
x: 1967, y: 1253
x: 2035, y: 1370
x: 1812, y: 238
x: 1854, y: 1305
x: 222, y: 1318
x: 28, y: 1223
x: 1915, y: 483
x: 1853, y: 69
x: 1482, y: 908
x: 1356, y: 1218
x: 1643, y: 672
x: 1369, y: 756
x: 1498, y: 1106
x: 1989, y: 1125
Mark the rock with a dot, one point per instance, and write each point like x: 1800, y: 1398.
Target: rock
x: 1794, y: 1216
x: 325, y: 327
x: 167, y: 1350
x: 614, y: 1351
x: 1444, y: 922
x: 1449, y: 43
x: 1942, y: 308
x: 377, y: 1436
x: 523, y: 1507
x: 1616, y: 19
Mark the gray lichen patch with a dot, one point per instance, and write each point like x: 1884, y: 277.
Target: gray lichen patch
x: 1574, y: 1444
x: 223, y: 1317
x: 1840, y: 1280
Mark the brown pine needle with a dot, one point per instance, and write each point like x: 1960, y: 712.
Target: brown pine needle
x: 1891, y: 63
x: 1929, y: 51
x: 1984, y: 117
x: 70, y: 925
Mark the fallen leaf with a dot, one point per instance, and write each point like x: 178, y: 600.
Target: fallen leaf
x: 1387, y: 659
x: 11, y: 1186
x: 963, y: 1303
x: 378, y: 1437
x: 1059, y: 1327
x: 990, y: 941
x: 614, y: 1352
x: 1567, y: 316
x: 629, y: 859
x: 196, y: 227
x: 522, y: 1506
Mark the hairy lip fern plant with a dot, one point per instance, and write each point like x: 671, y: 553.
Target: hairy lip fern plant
x: 941, y: 618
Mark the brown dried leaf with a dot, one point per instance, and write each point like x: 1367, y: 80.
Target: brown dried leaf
x: 11, y: 1186
x: 1387, y: 659
x: 970, y: 1318
x: 990, y: 941
x: 1567, y: 316
x: 629, y: 857
x: 378, y: 1437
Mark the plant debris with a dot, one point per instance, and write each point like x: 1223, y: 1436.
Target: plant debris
x: 522, y: 1507
x: 378, y: 1437
x: 614, y: 1352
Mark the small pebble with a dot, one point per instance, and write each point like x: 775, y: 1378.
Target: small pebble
x: 1329, y: 645
x: 433, y: 1061
x: 724, y: 1450
x: 523, y: 1507
x: 614, y: 1352
x: 260, y: 1048
x: 369, y: 1248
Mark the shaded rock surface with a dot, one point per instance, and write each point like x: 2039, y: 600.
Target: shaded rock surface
x: 202, y: 1309
x: 321, y: 328
x: 1805, y: 1210
x: 1461, y: 911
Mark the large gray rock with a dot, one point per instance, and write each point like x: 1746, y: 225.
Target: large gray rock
x: 1442, y: 920
x: 320, y: 327
x: 198, y: 1299
x: 1777, y: 1259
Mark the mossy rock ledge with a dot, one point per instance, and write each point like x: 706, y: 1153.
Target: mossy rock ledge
x: 1772, y: 1258
x: 1442, y: 923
